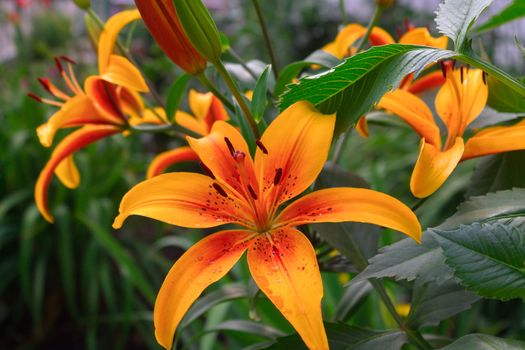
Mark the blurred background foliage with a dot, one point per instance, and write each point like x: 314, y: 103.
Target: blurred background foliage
x: 80, y: 284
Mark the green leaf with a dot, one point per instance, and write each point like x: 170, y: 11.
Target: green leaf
x: 510, y: 13
x: 175, y: 95
x: 454, y: 18
x: 250, y: 327
x: 432, y: 303
x: 407, y: 260
x: 351, y: 88
x: 492, y: 205
x: 498, y: 172
x: 504, y: 99
x: 258, y: 103
x: 485, y: 342
x: 345, y: 337
x: 488, y: 258
x: 353, y: 295
x: 291, y: 71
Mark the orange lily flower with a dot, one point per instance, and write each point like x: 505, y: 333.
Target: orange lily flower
x: 105, y: 106
x: 162, y: 22
x: 206, y: 109
x: 240, y: 190
x: 458, y: 103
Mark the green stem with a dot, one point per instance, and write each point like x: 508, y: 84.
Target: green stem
x: 361, y: 263
x: 419, y: 203
x: 126, y: 54
x: 267, y: 42
x: 243, y: 64
x: 342, y: 9
x: 371, y: 25
x: 238, y: 97
x: 206, y: 82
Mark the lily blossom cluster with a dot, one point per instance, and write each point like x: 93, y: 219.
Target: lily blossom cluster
x: 250, y: 193
x: 105, y: 105
x: 458, y: 103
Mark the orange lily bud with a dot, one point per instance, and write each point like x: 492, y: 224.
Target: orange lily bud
x: 162, y: 22
x: 83, y: 4
x: 200, y: 28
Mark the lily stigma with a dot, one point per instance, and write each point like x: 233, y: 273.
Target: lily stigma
x: 249, y: 193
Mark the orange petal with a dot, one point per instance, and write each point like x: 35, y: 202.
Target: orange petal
x: 284, y: 266
x: 379, y: 36
x: 351, y: 204
x: 421, y: 36
x: 108, y: 37
x: 414, y: 111
x: 67, y: 172
x: 183, y: 199
x: 347, y: 37
x: 106, y: 99
x: 206, y: 108
x: 460, y: 101
x: 165, y: 159
x: 149, y: 116
x: 76, y: 111
x: 496, y: 139
x: 427, y: 82
x: 362, y: 127
x: 204, y: 263
x: 191, y: 123
x: 433, y: 167
x: 297, y: 141
x: 120, y: 71
x: 214, y: 152
x: 131, y: 102
x: 70, y: 144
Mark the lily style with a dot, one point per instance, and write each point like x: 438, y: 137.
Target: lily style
x: 458, y: 103
x: 107, y: 104
x: 250, y: 193
x: 206, y: 110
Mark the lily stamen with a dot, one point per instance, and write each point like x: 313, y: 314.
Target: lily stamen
x: 220, y: 190
x: 261, y: 146
x: 230, y: 146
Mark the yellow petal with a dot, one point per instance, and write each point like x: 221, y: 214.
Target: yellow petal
x: 297, y: 141
x: 347, y: 37
x: 67, y: 172
x: 183, y: 199
x: 284, y: 266
x: 149, y: 116
x: 414, y: 112
x: 70, y: 144
x: 131, y: 102
x: 199, y: 103
x: 496, y: 139
x: 433, y: 167
x: 191, y: 123
x: 108, y: 37
x: 166, y: 159
x: 421, y: 36
x: 120, y: 71
x: 351, y: 204
x: 204, y: 263
x: 379, y: 36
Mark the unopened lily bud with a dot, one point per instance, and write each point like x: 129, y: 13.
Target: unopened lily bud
x: 164, y: 25
x: 83, y: 4
x: 385, y: 3
x: 200, y: 28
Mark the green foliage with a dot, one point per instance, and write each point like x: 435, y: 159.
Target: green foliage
x: 504, y: 99
x: 513, y: 11
x: 175, y: 93
x: 487, y: 258
x: 485, y: 342
x: 258, y: 105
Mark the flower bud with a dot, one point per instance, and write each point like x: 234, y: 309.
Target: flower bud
x: 83, y: 4
x: 164, y: 25
x: 200, y: 28
x: 385, y: 3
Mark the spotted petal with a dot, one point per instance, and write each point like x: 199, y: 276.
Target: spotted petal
x: 204, y: 263
x: 351, y: 204
x: 284, y: 266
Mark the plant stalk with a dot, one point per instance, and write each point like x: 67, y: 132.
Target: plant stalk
x: 267, y: 42
x: 207, y: 83
x: 369, y: 28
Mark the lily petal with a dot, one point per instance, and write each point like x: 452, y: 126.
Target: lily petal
x: 183, y: 199
x: 351, y: 204
x: 427, y: 82
x: 494, y: 140
x: 70, y: 144
x: 362, y: 127
x: 414, y: 111
x: 347, y: 37
x: 191, y: 123
x: 76, y: 111
x: 199, y: 103
x: 421, y: 36
x: 67, y: 172
x: 433, y: 167
x: 214, y: 151
x: 109, y: 35
x: 297, y: 142
x: 284, y: 265
x: 204, y: 263
x: 106, y: 99
x: 120, y: 71
x: 379, y: 36
x: 165, y: 159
